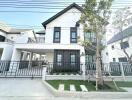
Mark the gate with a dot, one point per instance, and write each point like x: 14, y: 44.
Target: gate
x: 23, y: 69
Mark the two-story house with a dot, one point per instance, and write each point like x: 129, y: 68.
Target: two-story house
x: 58, y: 43
x: 8, y: 37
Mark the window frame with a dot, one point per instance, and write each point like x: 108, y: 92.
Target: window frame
x: 57, y: 40
x: 60, y: 60
x: 73, y: 39
x: 124, y: 45
x: 72, y: 62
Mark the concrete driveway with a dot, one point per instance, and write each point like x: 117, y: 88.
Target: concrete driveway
x: 23, y: 87
x: 27, y: 89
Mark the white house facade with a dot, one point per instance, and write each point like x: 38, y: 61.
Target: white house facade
x: 115, y: 47
x: 8, y: 37
x: 58, y: 43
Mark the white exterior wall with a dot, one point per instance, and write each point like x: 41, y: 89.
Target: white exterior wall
x: 65, y: 21
x: 50, y: 57
x: 117, y: 52
x: 12, y: 36
x: 23, y: 38
x: 7, y: 51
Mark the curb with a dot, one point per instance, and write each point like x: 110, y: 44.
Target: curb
x: 88, y: 95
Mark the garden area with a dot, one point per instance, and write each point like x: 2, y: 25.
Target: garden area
x: 90, y: 86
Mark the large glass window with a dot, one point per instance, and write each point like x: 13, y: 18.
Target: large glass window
x: 73, y: 38
x: 90, y: 37
x: 73, y: 60
x: 56, y: 35
x: 88, y: 58
x: 124, y: 45
x: 59, y: 59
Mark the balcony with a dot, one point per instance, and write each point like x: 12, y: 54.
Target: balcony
x: 36, y: 40
x: 7, y: 40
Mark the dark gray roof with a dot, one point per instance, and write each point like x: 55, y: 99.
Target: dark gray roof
x: 41, y: 32
x: 62, y: 12
x: 121, y: 35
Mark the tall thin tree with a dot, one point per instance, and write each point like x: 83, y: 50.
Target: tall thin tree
x: 95, y: 18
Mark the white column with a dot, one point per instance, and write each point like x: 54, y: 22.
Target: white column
x: 82, y: 61
x: 24, y: 55
x: 15, y: 60
x: 7, y: 53
x: 30, y: 60
x: 44, y: 73
x: 122, y: 72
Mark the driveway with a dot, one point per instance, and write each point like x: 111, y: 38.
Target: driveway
x: 23, y: 87
x: 27, y: 89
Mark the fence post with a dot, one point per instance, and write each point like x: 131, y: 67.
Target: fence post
x: 84, y: 71
x: 122, y: 71
x: 44, y: 73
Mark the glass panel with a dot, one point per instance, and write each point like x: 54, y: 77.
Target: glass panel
x: 59, y: 59
x: 73, y: 59
x: 57, y: 34
x: 73, y: 34
x: 88, y: 59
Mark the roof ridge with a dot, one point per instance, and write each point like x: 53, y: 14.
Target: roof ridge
x: 61, y: 12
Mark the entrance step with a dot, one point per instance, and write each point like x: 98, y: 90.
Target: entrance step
x: 72, y: 87
x: 61, y: 87
x: 83, y: 88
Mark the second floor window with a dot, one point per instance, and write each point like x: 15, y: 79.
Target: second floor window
x: 73, y: 36
x: 88, y: 36
x: 57, y: 32
x: 124, y: 45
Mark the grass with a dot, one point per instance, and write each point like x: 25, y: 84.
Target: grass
x: 108, y: 86
x: 121, y: 84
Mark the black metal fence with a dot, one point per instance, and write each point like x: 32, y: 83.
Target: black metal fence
x: 21, y: 68
x: 35, y: 68
x: 114, y: 68
x: 68, y: 68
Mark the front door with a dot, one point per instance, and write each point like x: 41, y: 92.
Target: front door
x: 66, y: 60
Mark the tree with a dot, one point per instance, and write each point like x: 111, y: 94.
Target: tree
x: 95, y: 18
x: 120, y: 20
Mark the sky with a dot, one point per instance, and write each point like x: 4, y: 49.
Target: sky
x: 34, y: 20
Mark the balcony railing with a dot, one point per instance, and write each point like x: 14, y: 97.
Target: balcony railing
x: 8, y: 40
x: 36, y: 40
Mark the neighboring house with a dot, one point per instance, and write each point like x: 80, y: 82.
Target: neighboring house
x: 8, y: 37
x: 115, y: 46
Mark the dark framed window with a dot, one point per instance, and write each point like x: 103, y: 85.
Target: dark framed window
x: 90, y: 37
x: 114, y: 59
x: 73, y: 35
x: 88, y: 58
x: 122, y: 59
x: 124, y: 45
x: 59, y: 59
x: 57, y: 33
x: 112, y: 47
x: 2, y: 38
x: 73, y: 59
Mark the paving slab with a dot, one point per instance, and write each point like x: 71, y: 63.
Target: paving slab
x: 129, y: 89
x: 61, y: 87
x: 72, y: 87
x: 83, y: 88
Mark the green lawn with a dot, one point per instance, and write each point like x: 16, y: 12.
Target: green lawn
x: 109, y: 86
x: 121, y: 84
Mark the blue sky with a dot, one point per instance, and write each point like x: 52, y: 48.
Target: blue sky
x: 22, y: 19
